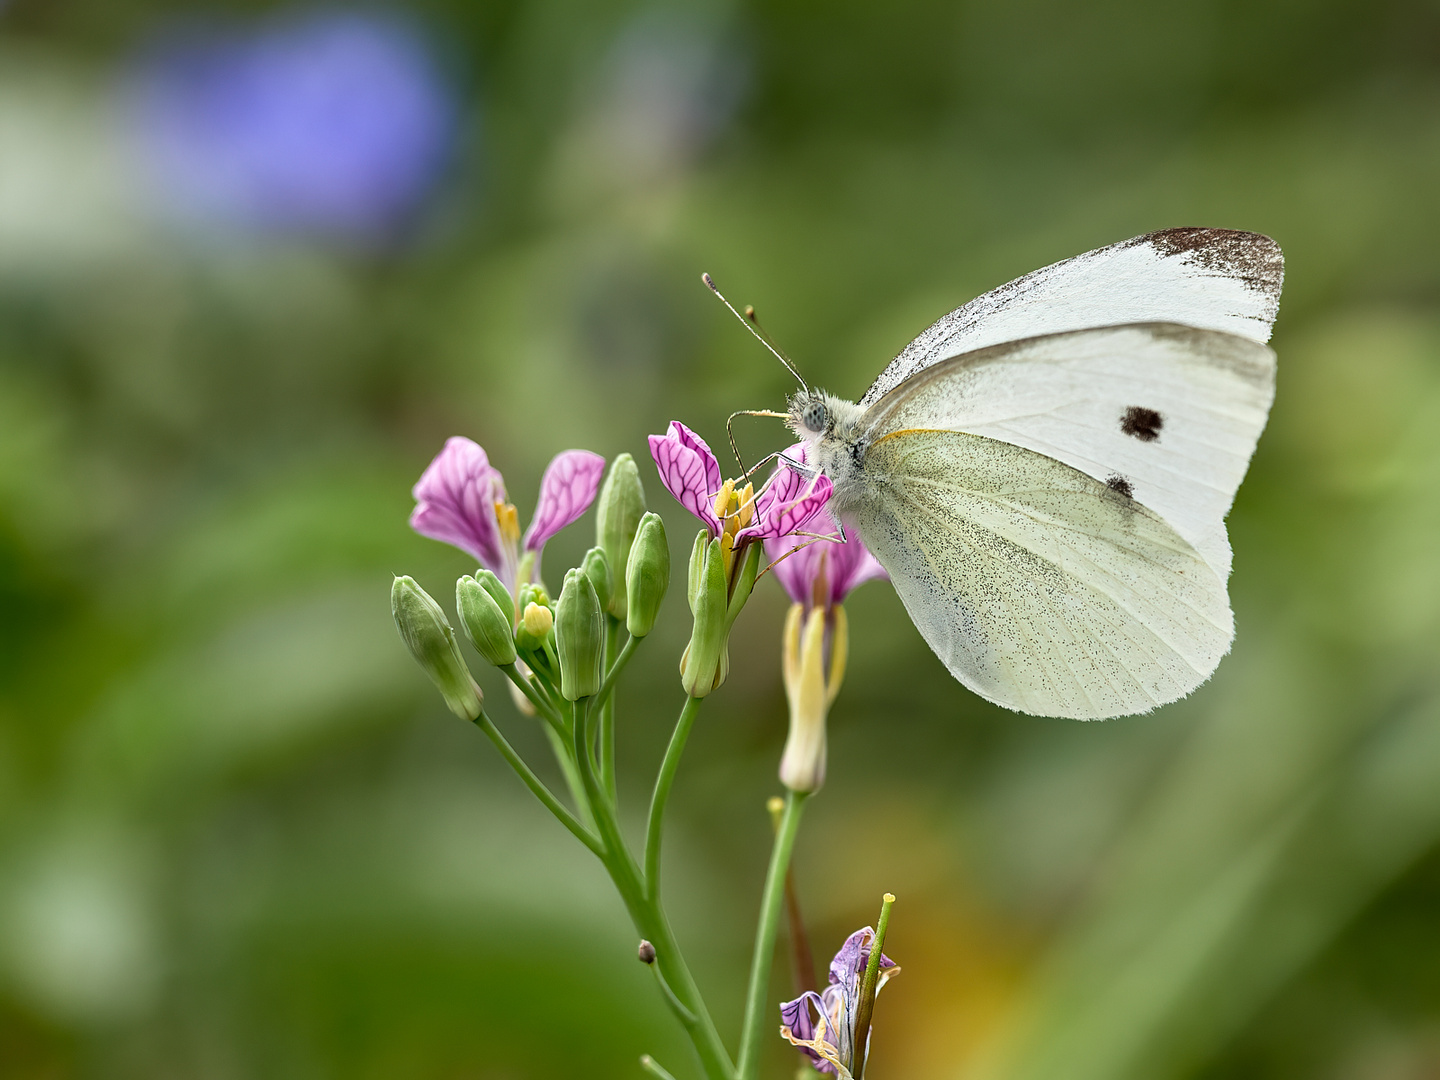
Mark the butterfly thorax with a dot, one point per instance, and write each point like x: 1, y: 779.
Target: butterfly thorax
x: 832, y: 430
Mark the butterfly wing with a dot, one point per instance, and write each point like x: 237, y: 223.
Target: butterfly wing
x: 1168, y: 415
x: 1040, y: 588
x: 1216, y: 279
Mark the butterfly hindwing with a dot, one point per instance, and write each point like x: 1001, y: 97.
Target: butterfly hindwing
x: 1040, y: 588
x: 1214, y: 279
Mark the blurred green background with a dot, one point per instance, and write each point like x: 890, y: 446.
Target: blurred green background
x: 240, y: 836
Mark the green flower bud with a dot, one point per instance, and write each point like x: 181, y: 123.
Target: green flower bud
x: 617, y: 515
x: 647, y: 576
x: 580, y: 637
x: 496, y: 588
x: 597, y: 569
x: 536, y: 622
x: 485, y: 623
x: 424, y: 628
x: 700, y: 666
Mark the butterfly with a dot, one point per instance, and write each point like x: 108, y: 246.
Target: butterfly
x: 1045, y: 472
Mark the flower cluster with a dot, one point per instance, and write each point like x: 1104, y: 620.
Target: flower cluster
x: 726, y: 556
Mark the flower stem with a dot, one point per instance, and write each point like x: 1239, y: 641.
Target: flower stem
x: 868, y: 987
x: 647, y: 914
x: 606, y: 698
x: 668, y: 767
x: 533, y: 782
x: 653, y: 1067
x: 770, y: 904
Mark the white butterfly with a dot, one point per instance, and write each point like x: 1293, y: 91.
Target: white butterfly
x: 1045, y: 472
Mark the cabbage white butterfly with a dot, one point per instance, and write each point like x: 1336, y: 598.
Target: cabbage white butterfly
x: 1045, y: 472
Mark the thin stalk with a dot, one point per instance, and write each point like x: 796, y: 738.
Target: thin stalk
x: 869, y: 986
x: 648, y: 916
x: 541, y: 703
x: 668, y: 767
x: 533, y: 782
x: 571, y: 774
x: 653, y: 1067
x: 607, y: 707
x: 771, y: 901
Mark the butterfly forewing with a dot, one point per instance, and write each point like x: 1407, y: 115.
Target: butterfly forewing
x: 1166, y: 415
x: 1215, y: 279
x: 1040, y: 588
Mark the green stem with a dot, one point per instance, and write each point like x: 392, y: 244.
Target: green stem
x: 653, y: 1067
x: 648, y: 916
x: 869, y: 985
x: 607, y: 705
x: 533, y: 782
x: 541, y: 704
x: 661, y: 795
x: 771, y: 901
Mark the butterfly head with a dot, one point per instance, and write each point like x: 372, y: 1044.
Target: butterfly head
x: 810, y: 414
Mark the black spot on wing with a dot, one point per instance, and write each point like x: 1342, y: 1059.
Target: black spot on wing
x: 1144, y: 424
x: 1120, y: 486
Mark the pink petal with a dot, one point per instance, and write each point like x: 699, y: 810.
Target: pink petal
x: 566, y: 490
x: 456, y: 498
x: 688, y: 438
x: 796, y: 572
x: 685, y: 472
x: 777, y: 516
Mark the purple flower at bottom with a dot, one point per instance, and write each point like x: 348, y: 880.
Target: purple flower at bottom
x: 460, y: 500
x: 823, y: 1025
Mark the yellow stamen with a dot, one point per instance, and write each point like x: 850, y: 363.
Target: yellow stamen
x: 508, y: 520
x: 723, y: 499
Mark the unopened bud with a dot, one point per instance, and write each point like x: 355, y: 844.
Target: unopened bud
x: 647, y: 575
x: 431, y: 640
x: 597, y: 569
x: 700, y: 665
x: 617, y: 515
x: 498, y: 592
x: 486, y: 625
x: 580, y: 637
x: 646, y: 952
x: 536, y: 622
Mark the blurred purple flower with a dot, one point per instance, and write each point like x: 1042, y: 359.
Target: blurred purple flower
x: 689, y: 471
x: 820, y: 573
x: 460, y: 500
x: 823, y: 1025
x: 330, y: 122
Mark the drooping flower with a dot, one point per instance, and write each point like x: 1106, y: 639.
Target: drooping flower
x: 460, y: 500
x: 818, y: 574
x: 823, y: 1025
x: 726, y: 556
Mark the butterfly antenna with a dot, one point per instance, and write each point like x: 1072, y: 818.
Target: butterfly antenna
x: 730, y: 430
x: 753, y: 327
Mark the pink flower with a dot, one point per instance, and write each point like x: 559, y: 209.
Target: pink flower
x: 820, y: 573
x: 823, y: 1026
x: 460, y: 500
x: 690, y: 472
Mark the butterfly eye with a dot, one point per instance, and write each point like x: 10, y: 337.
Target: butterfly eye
x: 814, y: 416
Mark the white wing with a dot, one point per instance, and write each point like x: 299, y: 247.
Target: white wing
x: 1216, y: 279
x: 1166, y: 414
x: 1040, y: 588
